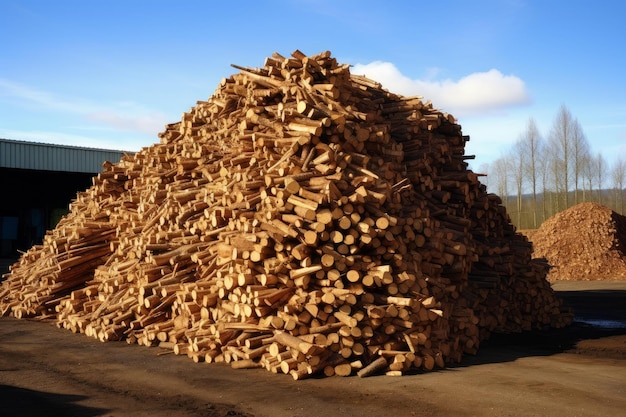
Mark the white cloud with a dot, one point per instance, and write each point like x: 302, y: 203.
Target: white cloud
x: 126, y: 116
x: 146, y: 123
x: 54, y: 137
x: 26, y: 95
x: 478, y: 93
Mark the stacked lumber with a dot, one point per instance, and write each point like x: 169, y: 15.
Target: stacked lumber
x: 585, y: 242
x: 304, y: 220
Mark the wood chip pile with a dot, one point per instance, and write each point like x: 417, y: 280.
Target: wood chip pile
x: 302, y: 219
x: 585, y: 242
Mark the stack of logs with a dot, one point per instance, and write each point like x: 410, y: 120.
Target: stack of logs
x: 303, y: 219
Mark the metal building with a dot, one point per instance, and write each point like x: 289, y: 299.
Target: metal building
x: 37, y: 183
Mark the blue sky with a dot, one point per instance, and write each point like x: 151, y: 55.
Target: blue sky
x: 111, y: 74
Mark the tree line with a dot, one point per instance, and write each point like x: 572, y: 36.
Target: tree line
x: 542, y: 175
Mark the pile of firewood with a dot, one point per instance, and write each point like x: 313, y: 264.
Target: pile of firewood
x: 584, y: 242
x: 302, y: 219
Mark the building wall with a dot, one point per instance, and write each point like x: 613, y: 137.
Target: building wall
x: 37, y: 183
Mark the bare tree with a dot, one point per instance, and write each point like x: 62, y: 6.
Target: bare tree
x: 600, y: 169
x: 618, y: 175
x: 580, y: 155
x: 531, y: 147
x: 543, y: 169
x: 500, y: 169
x: 556, y: 167
x: 561, y: 144
x: 587, y: 177
x: 517, y: 162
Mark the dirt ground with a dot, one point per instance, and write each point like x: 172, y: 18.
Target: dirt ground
x: 577, y: 371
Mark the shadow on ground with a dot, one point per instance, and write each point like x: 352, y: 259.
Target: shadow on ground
x: 28, y: 403
x: 599, y: 329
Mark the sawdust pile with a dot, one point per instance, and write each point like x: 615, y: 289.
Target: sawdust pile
x: 584, y: 242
